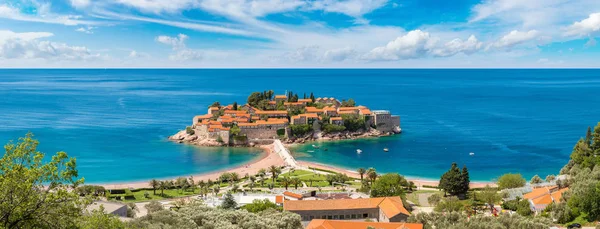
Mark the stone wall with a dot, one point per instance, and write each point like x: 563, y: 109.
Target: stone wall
x: 386, y: 122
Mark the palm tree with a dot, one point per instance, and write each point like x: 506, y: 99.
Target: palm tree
x: 216, y: 189
x: 296, y: 181
x: 209, y: 183
x: 224, y: 177
x: 162, y: 185
x: 192, y: 184
x: 372, y: 175
x: 310, y: 180
x: 235, y: 188
x: 234, y: 177
x: 362, y: 172
x: 201, y: 184
x: 154, y: 184
x: 286, y: 182
x: 275, y: 171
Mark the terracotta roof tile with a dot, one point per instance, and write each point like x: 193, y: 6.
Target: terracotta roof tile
x: 391, y: 206
x: 341, y: 224
x: 281, y: 96
x: 279, y: 199
x: 271, y: 112
x: 335, y: 118
x: 291, y: 194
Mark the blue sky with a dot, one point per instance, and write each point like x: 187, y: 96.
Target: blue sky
x: 299, y: 33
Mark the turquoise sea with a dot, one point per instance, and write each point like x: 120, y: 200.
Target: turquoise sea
x: 115, y: 122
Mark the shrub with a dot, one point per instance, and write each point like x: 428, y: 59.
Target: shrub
x: 300, y: 130
x: 511, y: 180
x: 128, y: 194
x: 189, y: 130
x: 281, y: 132
x: 330, y: 128
x: 154, y: 206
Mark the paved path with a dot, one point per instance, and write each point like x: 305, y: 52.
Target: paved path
x: 284, y: 154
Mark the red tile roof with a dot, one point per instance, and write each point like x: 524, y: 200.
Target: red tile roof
x: 340, y: 224
x: 390, y: 206
x: 294, y: 195
x: 271, y: 112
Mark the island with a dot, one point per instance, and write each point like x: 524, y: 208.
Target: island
x: 266, y: 117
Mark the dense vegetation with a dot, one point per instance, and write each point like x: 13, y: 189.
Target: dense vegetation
x: 458, y: 220
x: 455, y: 181
x: 511, y: 180
x: 583, y: 170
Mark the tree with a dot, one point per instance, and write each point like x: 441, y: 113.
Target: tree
x: 235, y: 106
x: 349, y: 103
x: 588, y: 137
x: 390, y: 184
x: 458, y: 220
x: 362, y: 172
x: 296, y: 181
x: 235, y: 130
x: 234, y: 177
x: 454, y: 181
x: 228, y: 202
x: 216, y: 104
x: 595, y: 145
x: 489, y: 196
x: 449, y: 204
x: 163, y: 185
x: 98, y: 219
x: 434, y: 199
x: 511, y: 180
x: 154, y: 184
x: 536, y: 180
x: 261, y: 205
x: 34, y: 192
x: 191, y: 183
x: 286, y: 182
x: 154, y: 206
x: 550, y: 178
x: 372, y: 175
x: 523, y: 208
x: 275, y: 171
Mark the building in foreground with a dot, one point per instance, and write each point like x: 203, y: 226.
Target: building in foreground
x: 381, y: 209
x: 114, y: 208
x: 341, y: 224
x: 539, y: 198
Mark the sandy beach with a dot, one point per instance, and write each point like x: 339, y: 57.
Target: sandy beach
x: 354, y: 174
x: 270, y: 158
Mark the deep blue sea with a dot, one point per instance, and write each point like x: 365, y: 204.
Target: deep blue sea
x: 115, y: 122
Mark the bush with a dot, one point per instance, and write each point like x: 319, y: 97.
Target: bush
x: 280, y: 132
x: 128, y: 195
x: 189, y: 130
x: 154, y: 206
x: 353, y: 122
x: 511, y: 180
x: 300, y: 130
x: 330, y: 128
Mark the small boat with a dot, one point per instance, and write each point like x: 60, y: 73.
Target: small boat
x: 386, y: 149
x: 358, y: 151
x: 314, y: 146
x: 471, y: 153
x: 311, y: 151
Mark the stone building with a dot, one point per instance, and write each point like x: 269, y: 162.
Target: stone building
x: 381, y: 209
x: 384, y: 121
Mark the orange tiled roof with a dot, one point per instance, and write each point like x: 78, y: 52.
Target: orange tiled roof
x: 365, y: 111
x: 341, y: 224
x: 272, y: 122
x: 537, y: 192
x: 291, y: 194
x: 210, y: 122
x: 235, y: 112
x: 545, y: 199
x: 255, y: 118
x: 213, y: 108
x: 349, y: 108
x: 285, y: 120
x: 545, y: 195
x: 293, y: 103
x: 241, y: 119
x: 247, y: 124
x: 313, y: 110
x: 206, y: 116
x: 329, y: 108
x: 281, y: 96
x: 309, y: 115
x: 271, y: 112
x: 305, y: 100
x: 556, y: 196
x: 279, y: 199
x: 346, y: 112
x: 335, y: 118
x: 390, y: 206
x: 272, y: 102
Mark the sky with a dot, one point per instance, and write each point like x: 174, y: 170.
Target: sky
x: 299, y: 34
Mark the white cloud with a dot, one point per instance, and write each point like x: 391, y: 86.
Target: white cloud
x: 457, y: 45
x: 415, y: 44
x: 584, y: 27
x: 186, y: 55
x: 80, y: 3
x: 175, y: 42
x: 88, y: 30
x: 43, y: 16
x: 340, y: 54
x: 159, y: 6
x: 302, y: 54
x: 135, y: 54
x: 353, y: 8
x: 28, y: 46
x: 591, y: 42
x: 514, y: 38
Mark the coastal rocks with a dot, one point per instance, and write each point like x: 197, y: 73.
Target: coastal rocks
x: 179, y: 136
x: 190, y: 138
x: 397, y: 129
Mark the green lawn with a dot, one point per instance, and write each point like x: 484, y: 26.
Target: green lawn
x: 138, y: 195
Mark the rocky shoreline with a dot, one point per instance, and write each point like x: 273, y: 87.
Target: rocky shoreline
x: 184, y: 138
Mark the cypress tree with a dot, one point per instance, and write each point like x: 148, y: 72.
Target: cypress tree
x: 465, y: 180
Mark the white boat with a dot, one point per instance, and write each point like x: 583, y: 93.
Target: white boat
x: 311, y: 151
x: 471, y: 153
x: 314, y: 146
x: 386, y: 149
x: 358, y: 151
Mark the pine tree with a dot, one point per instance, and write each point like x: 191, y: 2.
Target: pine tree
x: 229, y: 202
x: 465, y: 180
x: 596, y: 139
x: 235, y: 106
x: 312, y: 97
x: 588, y: 136
x: 452, y: 181
x: 304, y: 97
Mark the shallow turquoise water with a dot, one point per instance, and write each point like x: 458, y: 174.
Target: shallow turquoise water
x: 116, y: 121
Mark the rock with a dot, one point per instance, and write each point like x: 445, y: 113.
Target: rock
x: 190, y: 138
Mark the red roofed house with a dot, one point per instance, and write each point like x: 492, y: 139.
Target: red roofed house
x: 541, y: 197
x: 382, y: 209
x: 341, y: 224
x: 292, y: 196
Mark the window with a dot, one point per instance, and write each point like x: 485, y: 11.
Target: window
x: 323, y: 217
x: 335, y: 217
x: 329, y: 217
x: 365, y: 215
x: 311, y: 217
x: 341, y: 216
